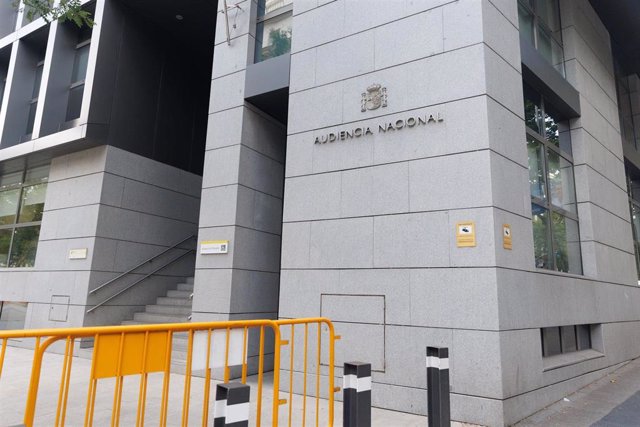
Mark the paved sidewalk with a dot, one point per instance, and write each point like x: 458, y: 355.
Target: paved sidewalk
x: 14, y: 384
x: 612, y: 401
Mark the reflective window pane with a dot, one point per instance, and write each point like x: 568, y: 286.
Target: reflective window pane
x: 32, y: 204
x: 268, y: 6
x: 568, y: 336
x: 37, y: 80
x: 74, y: 105
x: 37, y: 175
x: 549, y: 13
x: 10, y: 180
x: 566, y: 244
x: 80, y: 64
x: 25, y: 244
x: 544, y: 44
x: 537, y: 181
x: 584, y: 337
x: 273, y: 37
x: 557, y: 57
x: 551, y: 341
x: 635, y: 221
x: 9, y: 206
x: 541, y: 236
x: 532, y: 109
x: 562, y: 191
x: 551, y: 130
x: 5, y: 243
x: 31, y: 118
x: 525, y: 19
x: 12, y: 315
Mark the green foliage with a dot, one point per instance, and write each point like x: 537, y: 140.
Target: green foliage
x: 66, y: 10
x: 279, y: 42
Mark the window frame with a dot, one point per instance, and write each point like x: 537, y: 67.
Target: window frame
x: 539, y: 22
x: 545, y: 202
x: 275, y: 14
x: 15, y: 225
x: 77, y: 83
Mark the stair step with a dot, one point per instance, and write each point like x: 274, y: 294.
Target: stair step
x: 190, y: 280
x: 132, y: 322
x: 185, y: 287
x: 173, y: 301
x: 159, y: 318
x: 171, y: 310
x: 179, y: 294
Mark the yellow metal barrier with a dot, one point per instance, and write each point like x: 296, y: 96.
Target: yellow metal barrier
x: 222, y: 348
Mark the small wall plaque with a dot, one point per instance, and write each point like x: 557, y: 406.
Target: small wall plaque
x: 466, y: 234
x: 78, y: 253
x: 506, y: 237
x: 212, y: 247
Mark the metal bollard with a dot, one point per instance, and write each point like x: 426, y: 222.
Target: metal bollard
x: 357, y: 395
x: 232, y: 405
x: 438, y: 409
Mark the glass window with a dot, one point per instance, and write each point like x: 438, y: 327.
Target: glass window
x: 37, y: 80
x: 562, y: 190
x: 541, y: 236
x: 31, y: 118
x: 633, y: 189
x: 551, y: 341
x: 10, y: 180
x: 549, y: 13
x: 32, y: 204
x: 273, y: 31
x: 74, y: 105
x: 565, y: 339
x: 24, y: 246
x: 5, y: 244
x: 583, y: 333
x: 80, y: 64
x: 537, y: 181
x: 273, y: 38
x: 539, y: 22
x: 268, y: 6
x: 532, y: 109
x: 556, y: 236
x: 21, y: 209
x: 12, y: 315
x: 9, y: 206
x: 525, y: 19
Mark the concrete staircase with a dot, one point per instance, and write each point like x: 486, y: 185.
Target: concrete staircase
x: 175, y: 307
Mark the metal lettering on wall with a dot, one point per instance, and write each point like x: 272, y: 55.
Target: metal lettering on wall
x: 374, y: 98
x: 387, y: 127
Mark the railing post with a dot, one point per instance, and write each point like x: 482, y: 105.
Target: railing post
x: 357, y: 395
x: 438, y: 409
x: 232, y: 405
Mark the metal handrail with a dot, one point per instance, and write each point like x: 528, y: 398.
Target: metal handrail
x: 145, y: 277
x: 108, y: 282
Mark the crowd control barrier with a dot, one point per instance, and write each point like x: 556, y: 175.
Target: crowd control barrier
x: 128, y: 379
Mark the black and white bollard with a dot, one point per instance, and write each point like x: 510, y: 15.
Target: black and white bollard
x: 438, y: 409
x: 232, y: 405
x: 356, y: 410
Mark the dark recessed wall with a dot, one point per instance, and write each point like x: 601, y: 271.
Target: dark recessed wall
x: 151, y: 89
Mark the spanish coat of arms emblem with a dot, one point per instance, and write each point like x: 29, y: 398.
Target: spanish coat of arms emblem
x: 374, y: 98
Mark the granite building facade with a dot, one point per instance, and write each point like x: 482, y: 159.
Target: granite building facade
x: 460, y: 173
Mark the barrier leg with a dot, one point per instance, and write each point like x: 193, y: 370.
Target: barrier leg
x: 438, y: 409
x: 357, y: 394
x: 232, y: 405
